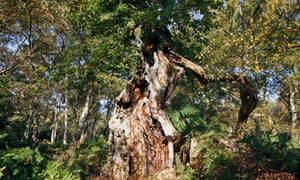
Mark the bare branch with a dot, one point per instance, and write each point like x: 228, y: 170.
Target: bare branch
x: 13, y: 67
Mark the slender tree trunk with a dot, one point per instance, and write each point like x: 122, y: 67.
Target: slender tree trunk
x: 28, y: 126
x: 56, y: 111
x: 54, y: 128
x: 288, y: 97
x: 256, y: 118
x: 82, y: 121
x: 293, y: 111
x: 35, y: 130
x: 65, y: 137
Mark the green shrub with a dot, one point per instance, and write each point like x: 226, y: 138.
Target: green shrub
x: 185, y: 172
x: 56, y: 170
x: 22, y: 163
x: 276, y: 151
x: 88, y: 160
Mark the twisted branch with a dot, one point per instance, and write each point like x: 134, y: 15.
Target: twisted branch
x: 248, y: 93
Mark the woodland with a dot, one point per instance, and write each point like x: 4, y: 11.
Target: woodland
x: 149, y: 89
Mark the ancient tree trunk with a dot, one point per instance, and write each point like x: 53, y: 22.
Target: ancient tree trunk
x: 141, y: 134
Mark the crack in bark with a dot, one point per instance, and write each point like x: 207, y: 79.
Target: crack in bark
x: 140, y: 123
x: 142, y: 136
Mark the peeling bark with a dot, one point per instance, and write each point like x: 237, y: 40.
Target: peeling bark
x: 141, y: 135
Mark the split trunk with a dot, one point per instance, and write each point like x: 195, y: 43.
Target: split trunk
x: 141, y: 135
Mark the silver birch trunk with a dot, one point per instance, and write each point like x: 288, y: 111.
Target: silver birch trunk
x: 293, y: 109
x: 82, y: 122
x: 54, y: 128
x: 65, y: 137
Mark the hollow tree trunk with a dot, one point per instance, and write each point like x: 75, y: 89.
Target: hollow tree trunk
x: 141, y: 134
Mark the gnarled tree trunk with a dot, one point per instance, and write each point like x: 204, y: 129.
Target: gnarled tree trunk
x: 141, y: 135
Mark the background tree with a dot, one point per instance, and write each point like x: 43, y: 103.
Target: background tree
x: 63, y: 63
x: 140, y: 109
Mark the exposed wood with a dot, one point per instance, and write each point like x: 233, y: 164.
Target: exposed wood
x: 141, y: 134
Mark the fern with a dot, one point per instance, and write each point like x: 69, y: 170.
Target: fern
x: 56, y: 170
x: 188, y: 121
x: 186, y: 172
x: 22, y: 163
x: 213, y: 156
x: 1, y: 171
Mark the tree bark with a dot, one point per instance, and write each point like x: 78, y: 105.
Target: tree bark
x: 55, y: 127
x: 35, y: 130
x: 83, y: 118
x: 65, y: 137
x: 141, y: 135
x: 293, y: 111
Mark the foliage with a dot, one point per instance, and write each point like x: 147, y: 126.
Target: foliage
x: 188, y: 121
x: 56, y: 170
x: 217, y: 157
x: 88, y: 160
x: 215, y: 161
x: 185, y: 172
x: 1, y: 171
x: 73, y: 48
x: 22, y: 163
x: 278, y: 150
x: 5, y: 103
x: 40, y: 163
